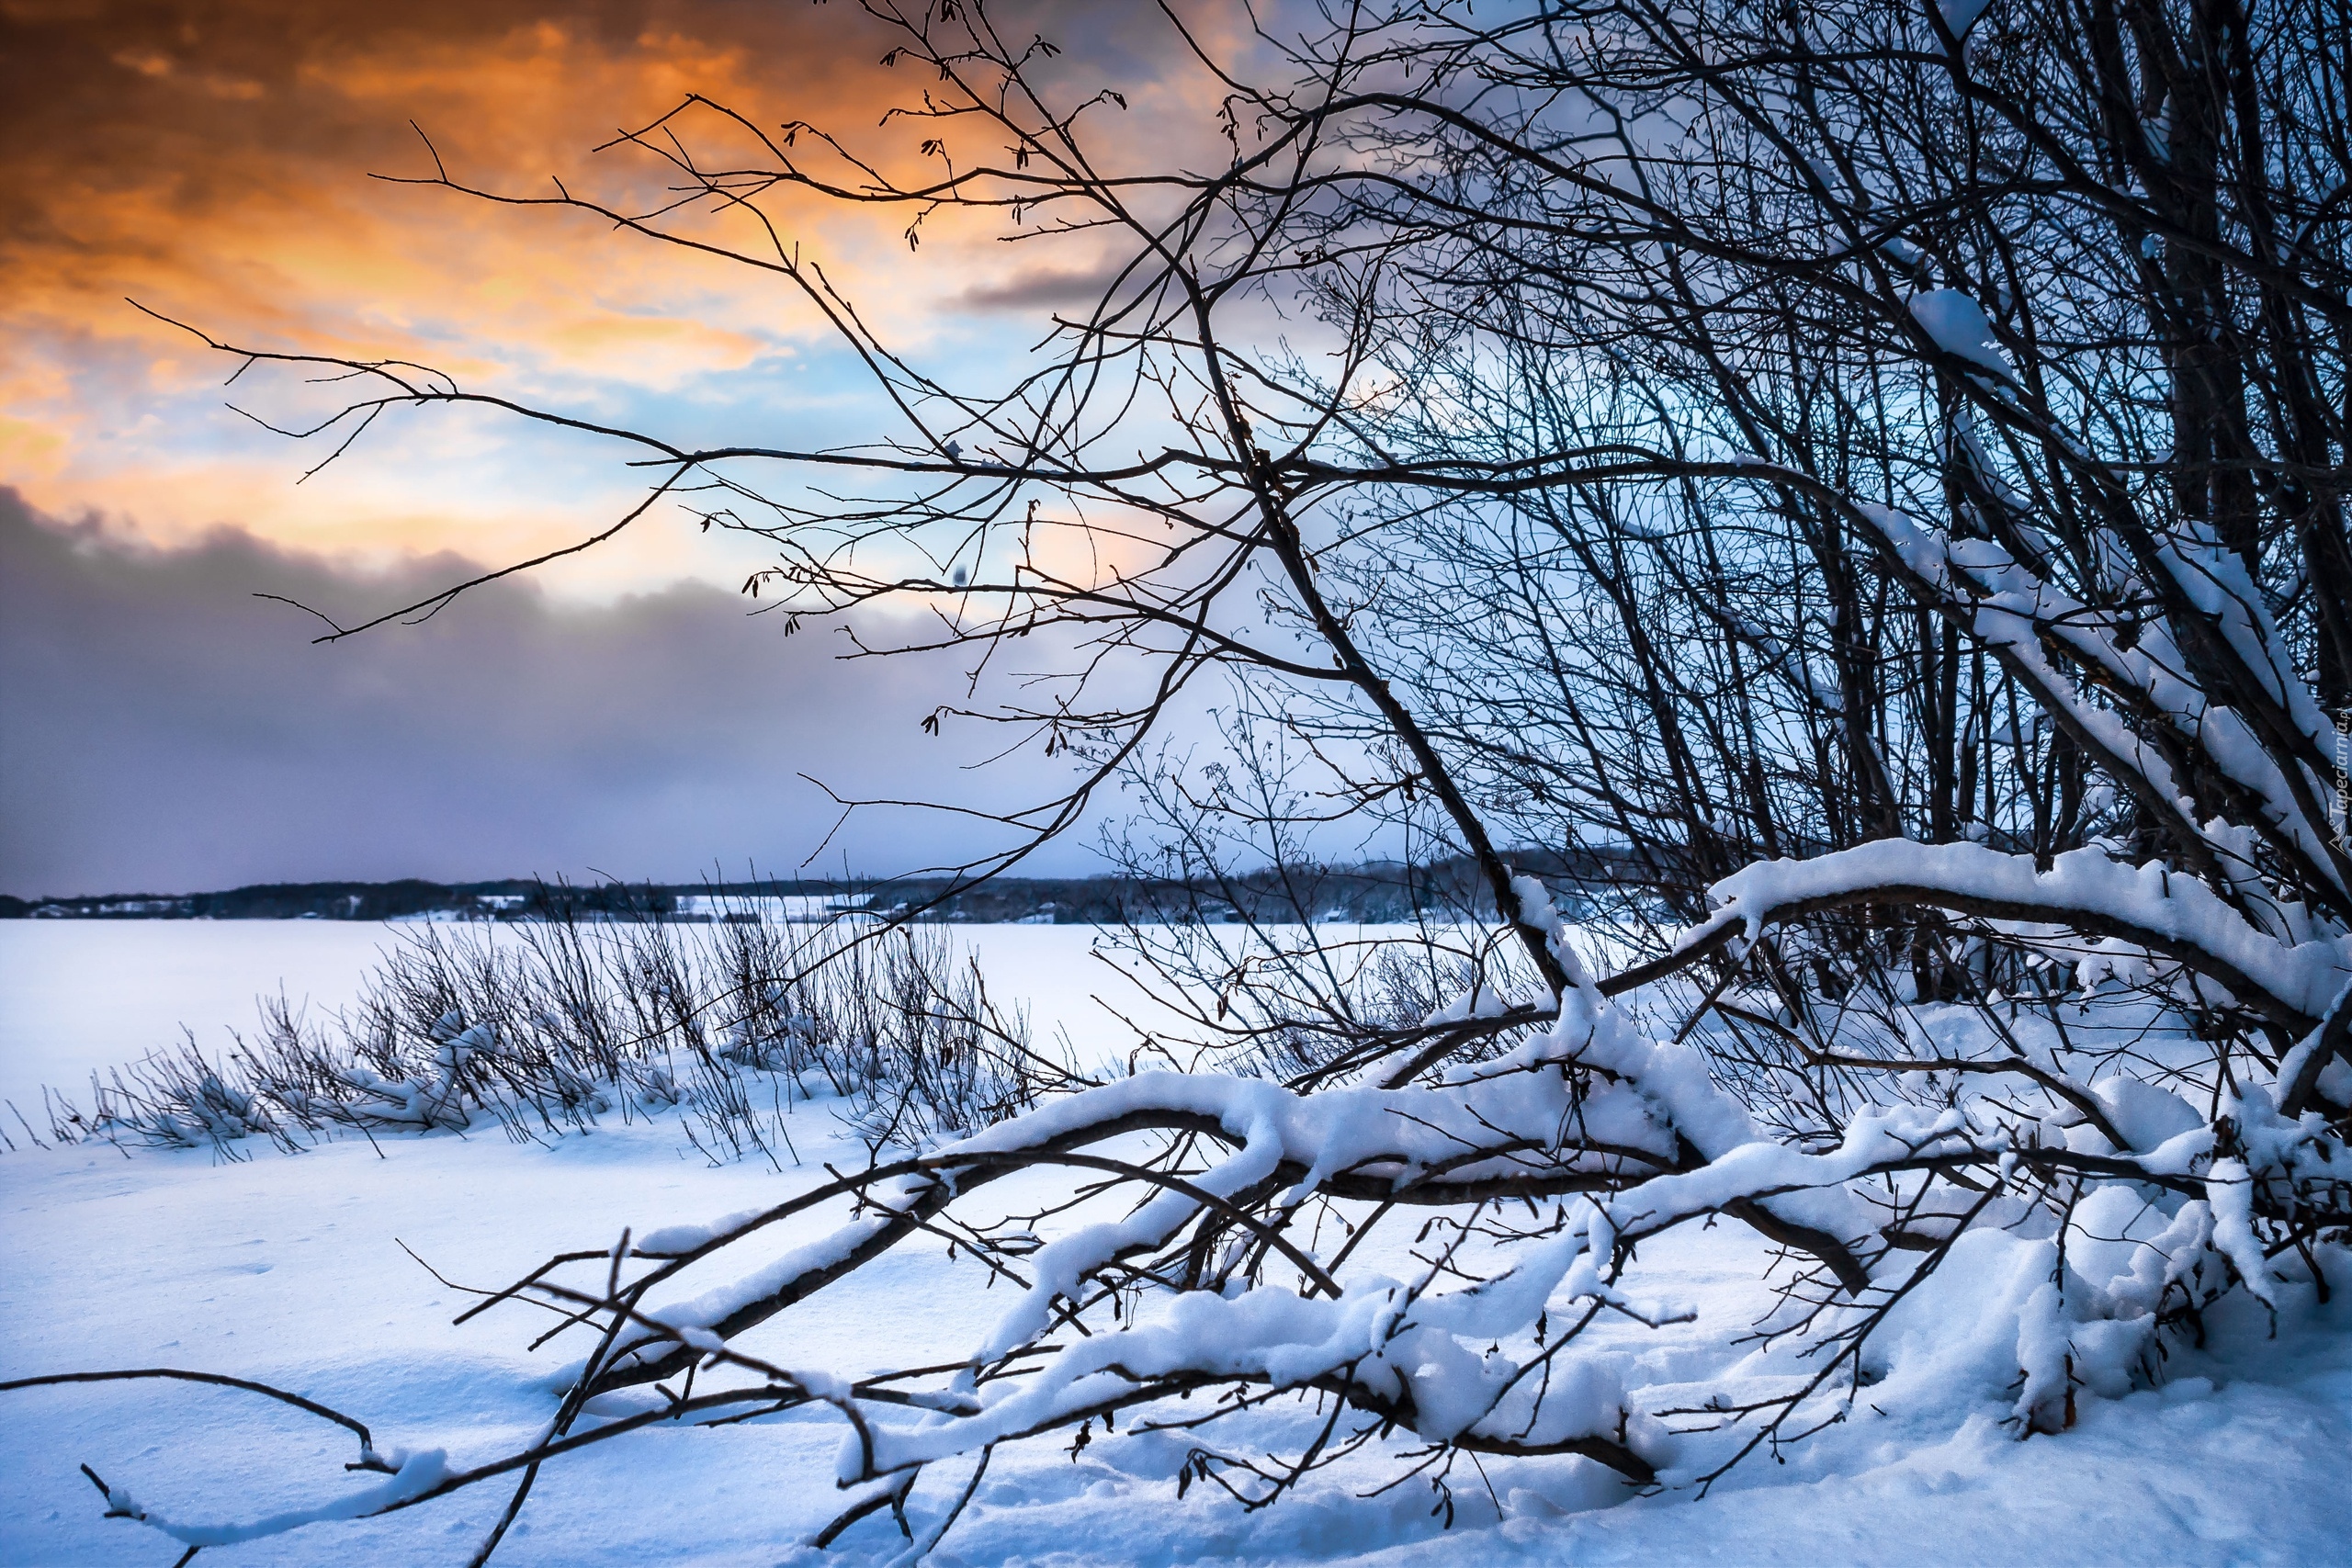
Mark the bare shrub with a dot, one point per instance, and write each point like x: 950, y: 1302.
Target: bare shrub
x: 546, y: 1027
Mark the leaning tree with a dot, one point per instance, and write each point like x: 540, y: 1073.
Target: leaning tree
x: 1847, y: 499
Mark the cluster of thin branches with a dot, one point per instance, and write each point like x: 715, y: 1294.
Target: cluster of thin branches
x: 543, y: 1027
x: 1873, y: 475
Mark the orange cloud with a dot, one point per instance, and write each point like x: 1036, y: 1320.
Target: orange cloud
x: 209, y: 159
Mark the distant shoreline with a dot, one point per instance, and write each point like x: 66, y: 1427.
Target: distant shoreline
x: 1375, y: 893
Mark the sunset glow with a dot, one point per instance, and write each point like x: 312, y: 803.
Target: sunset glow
x: 223, y: 179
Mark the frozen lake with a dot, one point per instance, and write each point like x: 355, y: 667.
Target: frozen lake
x: 79, y: 995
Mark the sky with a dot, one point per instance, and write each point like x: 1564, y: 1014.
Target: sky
x: 163, y: 728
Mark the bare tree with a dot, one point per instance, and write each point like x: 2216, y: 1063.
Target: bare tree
x: 1853, y: 494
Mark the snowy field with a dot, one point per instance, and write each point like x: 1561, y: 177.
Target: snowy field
x: 291, y: 1270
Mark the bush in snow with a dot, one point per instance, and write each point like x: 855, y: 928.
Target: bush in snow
x: 550, y: 1025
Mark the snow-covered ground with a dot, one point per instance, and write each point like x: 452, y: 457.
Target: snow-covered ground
x: 81, y: 995
x: 291, y: 1269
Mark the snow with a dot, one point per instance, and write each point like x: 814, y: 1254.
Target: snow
x: 2016, y: 608
x: 2086, y: 884
x: 416, y: 1474
x: 1960, y: 15
x: 291, y: 1269
x: 286, y: 1268
x: 1958, y: 326
x: 76, y: 996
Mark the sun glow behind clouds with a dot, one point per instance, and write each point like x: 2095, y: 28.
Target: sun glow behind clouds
x: 217, y: 171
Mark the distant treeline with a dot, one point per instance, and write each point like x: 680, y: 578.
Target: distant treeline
x: 1376, y: 891
x: 348, y: 902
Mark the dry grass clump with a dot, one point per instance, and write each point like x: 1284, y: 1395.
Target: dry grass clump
x: 550, y: 1026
